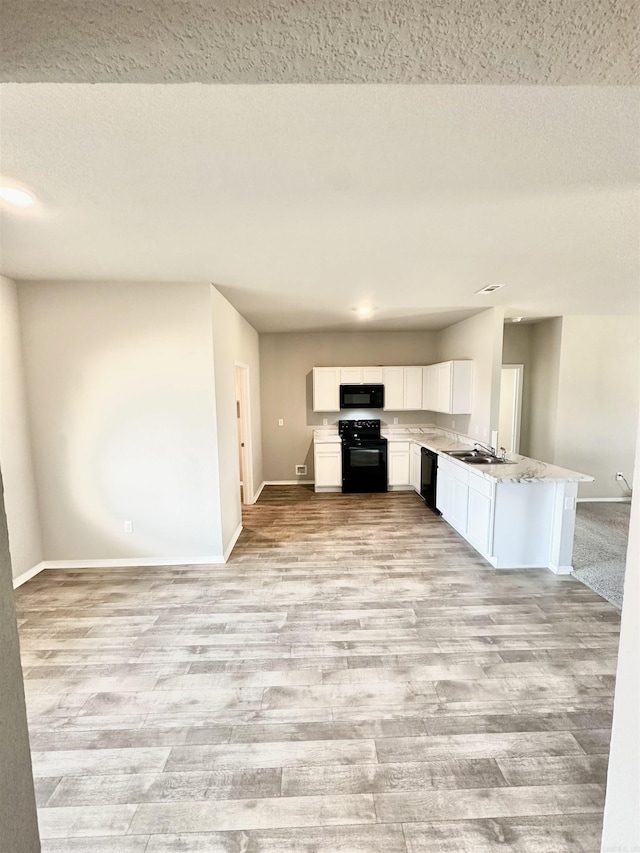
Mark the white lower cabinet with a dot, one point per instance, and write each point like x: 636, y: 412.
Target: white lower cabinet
x: 479, y: 521
x: 466, y: 500
x: 415, y: 465
x: 398, y: 463
x: 327, y: 461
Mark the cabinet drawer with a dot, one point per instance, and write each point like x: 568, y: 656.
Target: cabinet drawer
x: 398, y: 446
x: 479, y: 484
x: 328, y: 449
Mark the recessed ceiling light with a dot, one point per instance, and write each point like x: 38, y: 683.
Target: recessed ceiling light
x: 490, y: 288
x: 16, y: 196
x: 364, y: 311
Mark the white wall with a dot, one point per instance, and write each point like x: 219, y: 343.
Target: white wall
x: 478, y: 338
x: 234, y: 340
x: 546, y: 345
x: 621, y: 829
x: 120, y: 386
x: 23, y: 517
x: 598, y: 399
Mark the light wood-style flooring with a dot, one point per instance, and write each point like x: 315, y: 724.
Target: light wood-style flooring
x: 355, y: 680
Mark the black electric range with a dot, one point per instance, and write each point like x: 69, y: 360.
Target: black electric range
x: 364, y: 456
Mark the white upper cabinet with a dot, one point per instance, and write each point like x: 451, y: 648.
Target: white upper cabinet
x: 351, y: 375
x: 372, y: 375
x: 447, y: 387
x: 393, y: 388
x: 326, y: 389
x: 444, y: 387
x: 413, y: 388
x: 430, y: 388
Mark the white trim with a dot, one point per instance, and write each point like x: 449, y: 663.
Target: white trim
x: 516, y: 416
x: 30, y: 573
x: 288, y: 483
x: 134, y: 562
x: 604, y: 500
x: 242, y: 375
x: 231, y: 544
x: 560, y: 570
x: 258, y: 493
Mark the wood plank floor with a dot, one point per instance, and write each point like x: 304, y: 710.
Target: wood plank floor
x: 355, y: 680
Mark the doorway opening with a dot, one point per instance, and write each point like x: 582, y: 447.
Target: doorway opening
x: 510, y: 407
x: 243, y: 418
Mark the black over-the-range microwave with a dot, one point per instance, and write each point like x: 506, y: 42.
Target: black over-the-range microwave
x: 361, y: 396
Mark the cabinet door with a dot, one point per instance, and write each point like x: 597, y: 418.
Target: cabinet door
x: 462, y: 388
x: 399, y: 474
x: 479, y: 521
x: 415, y: 463
x: 444, y: 492
x: 350, y: 375
x: 430, y: 388
x: 413, y: 388
x: 328, y: 468
x: 326, y: 389
x: 372, y: 375
x: 393, y: 388
x: 459, y: 506
x: 444, y: 387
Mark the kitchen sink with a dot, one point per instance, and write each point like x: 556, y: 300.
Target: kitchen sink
x: 477, y: 457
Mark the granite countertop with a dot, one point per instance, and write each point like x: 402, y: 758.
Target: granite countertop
x: 521, y: 470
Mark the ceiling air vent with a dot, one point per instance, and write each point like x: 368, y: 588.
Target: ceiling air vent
x: 490, y: 288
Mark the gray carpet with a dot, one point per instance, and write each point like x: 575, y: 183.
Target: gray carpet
x: 600, y: 548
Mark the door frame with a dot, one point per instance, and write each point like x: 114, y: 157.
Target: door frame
x: 242, y: 373
x: 517, y: 402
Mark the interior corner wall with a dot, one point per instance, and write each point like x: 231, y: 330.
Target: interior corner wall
x: 23, y: 516
x: 234, y: 340
x: 621, y: 830
x: 120, y: 389
x: 598, y: 400
x: 18, y: 817
x: 287, y: 360
x: 478, y: 338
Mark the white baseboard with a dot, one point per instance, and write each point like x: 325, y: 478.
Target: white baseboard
x: 288, y: 483
x: 258, y: 493
x: 30, y: 573
x: 134, y: 562
x: 604, y: 500
x: 232, y: 543
x: 560, y: 570
x: 129, y: 562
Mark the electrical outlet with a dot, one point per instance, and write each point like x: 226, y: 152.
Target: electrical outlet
x: 395, y: 420
x: 128, y: 527
x: 453, y: 424
x: 280, y: 421
x: 325, y: 421
x: 619, y: 476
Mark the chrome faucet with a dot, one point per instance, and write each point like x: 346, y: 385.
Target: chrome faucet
x: 486, y: 447
x: 503, y: 454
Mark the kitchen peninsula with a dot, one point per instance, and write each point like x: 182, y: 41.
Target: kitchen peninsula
x: 518, y: 515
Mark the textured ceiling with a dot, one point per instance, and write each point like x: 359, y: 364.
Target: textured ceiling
x: 301, y: 202
x: 321, y: 41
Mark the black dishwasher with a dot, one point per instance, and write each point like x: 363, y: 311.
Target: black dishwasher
x: 428, y: 477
